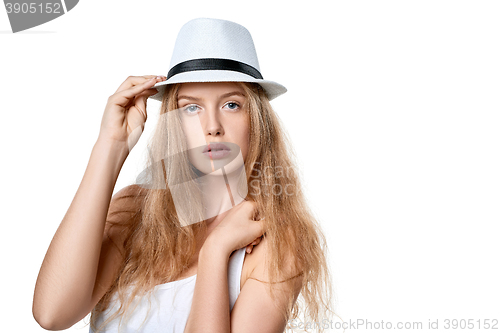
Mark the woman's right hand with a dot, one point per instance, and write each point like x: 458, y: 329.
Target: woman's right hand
x: 125, y: 113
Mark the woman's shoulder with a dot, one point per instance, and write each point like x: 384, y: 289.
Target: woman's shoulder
x: 259, y: 262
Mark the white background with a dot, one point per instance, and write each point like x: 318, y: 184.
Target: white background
x: 392, y: 106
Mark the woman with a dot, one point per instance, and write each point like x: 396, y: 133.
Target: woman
x: 173, y: 253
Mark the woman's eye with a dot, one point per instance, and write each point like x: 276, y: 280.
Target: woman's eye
x: 232, y: 106
x: 191, y: 108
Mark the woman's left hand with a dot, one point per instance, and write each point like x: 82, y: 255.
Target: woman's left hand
x: 238, y: 229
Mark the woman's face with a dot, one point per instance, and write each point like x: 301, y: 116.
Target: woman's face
x: 216, y: 122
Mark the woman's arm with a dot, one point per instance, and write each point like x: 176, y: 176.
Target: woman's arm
x: 210, y: 307
x: 254, y: 311
x: 65, y: 284
x: 79, y: 264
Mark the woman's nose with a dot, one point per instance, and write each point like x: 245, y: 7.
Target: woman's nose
x: 213, y: 125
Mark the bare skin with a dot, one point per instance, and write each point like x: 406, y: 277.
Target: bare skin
x: 81, y: 261
x: 221, y: 110
x: 80, y: 256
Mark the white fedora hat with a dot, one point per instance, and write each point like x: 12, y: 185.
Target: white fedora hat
x: 212, y: 50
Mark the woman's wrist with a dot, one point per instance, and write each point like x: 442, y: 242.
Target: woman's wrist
x: 214, y: 247
x: 113, y: 154
x: 115, y: 148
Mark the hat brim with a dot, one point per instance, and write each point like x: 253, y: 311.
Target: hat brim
x: 272, y: 89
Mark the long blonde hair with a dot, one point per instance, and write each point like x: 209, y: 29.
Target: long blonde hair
x: 158, y: 247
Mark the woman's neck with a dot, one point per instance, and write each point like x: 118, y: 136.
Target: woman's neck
x: 219, y: 193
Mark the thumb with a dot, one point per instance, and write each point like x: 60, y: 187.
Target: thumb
x: 142, y: 98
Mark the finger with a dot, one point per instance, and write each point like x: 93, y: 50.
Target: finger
x: 257, y: 241
x: 249, y: 249
x: 123, y: 98
x: 142, y: 98
x: 146, y: 93
x: 135, y: 80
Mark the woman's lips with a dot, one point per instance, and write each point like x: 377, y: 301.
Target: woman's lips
x: 216, y: 150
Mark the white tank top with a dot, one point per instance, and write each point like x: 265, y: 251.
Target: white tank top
x: 170, y: 303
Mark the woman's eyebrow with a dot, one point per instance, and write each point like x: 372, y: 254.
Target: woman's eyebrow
x: 233, y: 93
x: 189, y: 98
x: 229, y: 94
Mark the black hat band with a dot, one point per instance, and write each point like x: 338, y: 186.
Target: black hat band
x: 214, y: 64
